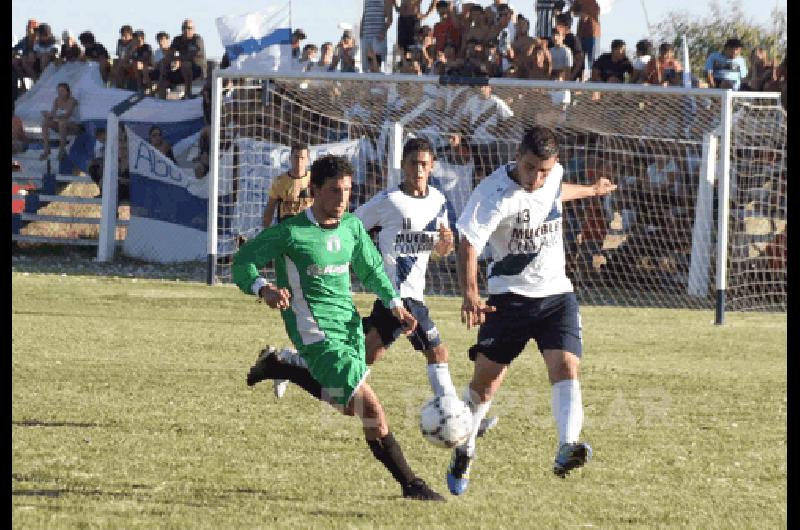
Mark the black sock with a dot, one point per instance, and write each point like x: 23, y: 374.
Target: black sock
x: 302, y: 378
x: 388, y: 451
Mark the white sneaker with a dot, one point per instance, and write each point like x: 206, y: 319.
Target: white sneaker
x: 279, y: 387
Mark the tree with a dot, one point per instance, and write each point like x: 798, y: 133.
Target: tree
x: 709, y: 33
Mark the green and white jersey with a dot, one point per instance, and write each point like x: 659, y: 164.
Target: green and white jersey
x: 314, y: 264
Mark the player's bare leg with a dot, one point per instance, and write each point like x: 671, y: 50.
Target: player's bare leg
x: 562, y: 370
x: 486, y: 380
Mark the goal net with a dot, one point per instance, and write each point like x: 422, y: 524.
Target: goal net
x: 653, y: 242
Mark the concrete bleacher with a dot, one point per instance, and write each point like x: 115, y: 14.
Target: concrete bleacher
x: 54, y: 203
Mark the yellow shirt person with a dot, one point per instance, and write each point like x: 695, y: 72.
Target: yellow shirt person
x: 289, y: 193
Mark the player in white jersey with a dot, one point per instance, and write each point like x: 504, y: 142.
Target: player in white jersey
x: 517, y: 212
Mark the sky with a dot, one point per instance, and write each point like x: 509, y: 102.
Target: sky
x: 319, y: 19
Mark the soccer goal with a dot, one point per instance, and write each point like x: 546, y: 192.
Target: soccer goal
x: 698, y: 220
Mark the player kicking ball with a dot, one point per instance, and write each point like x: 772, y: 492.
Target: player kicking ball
x: 408, y: 216
x: 517, y: 212
x: 313, y: 254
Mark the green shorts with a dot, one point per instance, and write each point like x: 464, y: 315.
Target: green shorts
x: 338, y: 366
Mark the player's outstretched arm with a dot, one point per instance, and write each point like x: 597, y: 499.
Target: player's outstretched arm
x: 473, y: 308
x: 571, y: 192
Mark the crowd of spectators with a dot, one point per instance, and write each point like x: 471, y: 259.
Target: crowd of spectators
x: 466, y: 40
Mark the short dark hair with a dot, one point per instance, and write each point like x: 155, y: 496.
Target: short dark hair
x: 733, y: 43
x: 298, y: 146
x: 564, y: 19
x: 665, y: 47
x: 540, y: 141
x: 161, y: 34
x: 644, y: 47
x: 127, y: 28
x: 65, y: 85
x: 414, y: 145
x: 86, y: 37
x: 617, y: 44
x: 329, y: 167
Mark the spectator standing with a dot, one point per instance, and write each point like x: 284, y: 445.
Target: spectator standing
x: 298, y: 35
x: 95, y: 51
x: 45, y: 49
x: 728, y: 68
x: 761, y: 69
x: 571, y: 41
x: 141, y: 62
x: 477, y: 30
x: 189, y: 49
x: 664, y: 69
x: 447, y: 30
x: 588, y: 13
x: 161, y: 58
x: 62, y: 119
x: 376, y: 19
x: 561, y: 57
x: 612, y: 67
x: 536, y: 64
x: 121, y: 66
x: 505, y: 31
x: 290, y: 193
x: 409, y: 17
x: 644, y: 53
x: 345, y: 55
x: 325, y: 62
x: 23, y: 59
x: 70, y: 51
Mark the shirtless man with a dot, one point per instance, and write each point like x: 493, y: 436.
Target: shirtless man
x: 409, y: 15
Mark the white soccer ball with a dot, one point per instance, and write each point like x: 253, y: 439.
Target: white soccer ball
x: 445, y: 421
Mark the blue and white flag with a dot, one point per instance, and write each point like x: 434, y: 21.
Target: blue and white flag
x: 169, y: 207
x: 259, y: 41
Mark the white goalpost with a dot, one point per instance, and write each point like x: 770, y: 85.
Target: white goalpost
x: 698, y: 220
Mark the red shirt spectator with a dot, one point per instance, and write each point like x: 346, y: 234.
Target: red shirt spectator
x: 446, y: 29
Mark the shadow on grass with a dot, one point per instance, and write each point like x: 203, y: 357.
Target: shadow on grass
x: 40, y: 423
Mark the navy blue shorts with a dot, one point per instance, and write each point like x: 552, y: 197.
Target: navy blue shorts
x: 554, y: 322
x: 425, y: 336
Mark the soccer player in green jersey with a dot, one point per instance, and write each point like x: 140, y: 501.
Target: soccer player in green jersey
x: 313, y: 253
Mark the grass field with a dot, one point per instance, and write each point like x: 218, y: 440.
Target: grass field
x: 130, y: 411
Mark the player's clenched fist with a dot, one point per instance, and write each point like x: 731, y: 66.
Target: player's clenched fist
x: 406, y: 319
x: 473, y: 311
x: 444, y: 245
x: 276, y: 298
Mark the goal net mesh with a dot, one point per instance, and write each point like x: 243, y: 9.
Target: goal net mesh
x: 634, y: 247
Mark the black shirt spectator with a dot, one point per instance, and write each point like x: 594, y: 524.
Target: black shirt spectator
x: 612, y: 67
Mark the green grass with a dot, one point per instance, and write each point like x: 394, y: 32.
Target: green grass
x: 130, y: 411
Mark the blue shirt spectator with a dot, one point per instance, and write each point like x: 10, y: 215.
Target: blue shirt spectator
x: 727, y: 69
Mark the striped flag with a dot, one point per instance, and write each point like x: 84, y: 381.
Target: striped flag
x: 258, y: 41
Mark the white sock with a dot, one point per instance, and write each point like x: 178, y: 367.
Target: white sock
x: 567, y: 410
x: 439, y: 378
x: 479, y: 411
